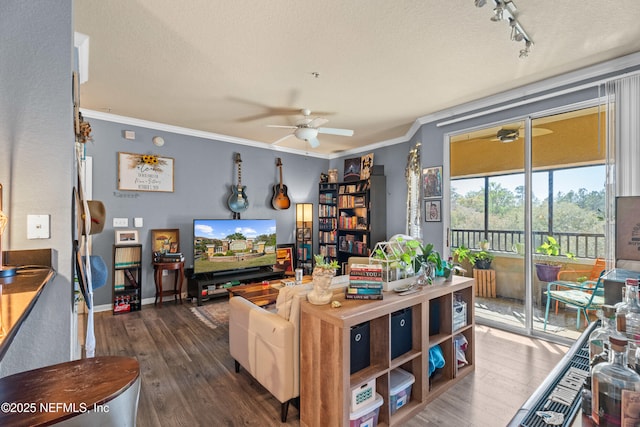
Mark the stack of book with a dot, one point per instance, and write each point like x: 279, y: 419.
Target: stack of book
x: 365, y: 282
x: 168, y: 257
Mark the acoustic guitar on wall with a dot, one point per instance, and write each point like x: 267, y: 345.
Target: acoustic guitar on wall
x: 238, y: 201
x: 280, y: 198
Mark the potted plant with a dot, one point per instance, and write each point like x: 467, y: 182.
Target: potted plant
x: 547, y: 265
x: 481, y: 260
x: 322, y: 274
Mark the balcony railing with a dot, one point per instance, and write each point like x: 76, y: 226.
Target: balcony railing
x: 582, y: 245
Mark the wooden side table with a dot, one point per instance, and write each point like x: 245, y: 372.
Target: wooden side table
x: 96, y: 391
x: 178, y: 269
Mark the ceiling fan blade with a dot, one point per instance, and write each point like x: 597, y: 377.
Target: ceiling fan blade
x: 317, y: 122
x: 335, y: 131
x: 313, y: 142
x: 282, y: 126
x: 281, y: 139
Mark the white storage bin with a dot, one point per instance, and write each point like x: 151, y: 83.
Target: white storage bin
x: 400, y: 388
x: 459, y: 315
x: 367, y: 416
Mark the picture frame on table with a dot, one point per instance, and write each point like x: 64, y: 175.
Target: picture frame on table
x: 432, y: 182
x: 165, y: 240
x: 127, y: 237
x: 285, y: 257
x: 433, y: 211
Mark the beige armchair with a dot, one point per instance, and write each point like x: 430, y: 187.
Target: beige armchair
x: 267, y: 344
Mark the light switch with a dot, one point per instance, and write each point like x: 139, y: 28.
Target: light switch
x: 120, y: 222
x: 137, y: 222
x: 38, y: 227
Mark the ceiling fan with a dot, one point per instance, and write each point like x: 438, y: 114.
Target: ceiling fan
x: 307, y: 129
x: 506, y: 135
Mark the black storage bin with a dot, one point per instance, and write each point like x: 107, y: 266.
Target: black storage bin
x: 401, y: 341
x: 434, y: 317
x: 360, y: 347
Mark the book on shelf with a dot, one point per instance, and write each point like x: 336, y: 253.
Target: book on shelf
x: 364, y: 297
x: 363, y: 291
x: 365, y: 284
x: 132, y: 280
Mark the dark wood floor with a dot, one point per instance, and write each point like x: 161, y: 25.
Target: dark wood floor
x: 188, y: 376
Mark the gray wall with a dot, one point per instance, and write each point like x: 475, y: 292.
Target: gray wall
x: 204, y: 170
x: 36, y: 162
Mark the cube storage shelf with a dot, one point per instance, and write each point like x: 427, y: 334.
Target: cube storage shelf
x: 325, y: 351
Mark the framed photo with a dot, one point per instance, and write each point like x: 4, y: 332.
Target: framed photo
x: 127, y: 237
x: 285, y: 257
x: 432, y: 210
x: 432, y: 181
x: 145, y: 172
x: 627, y: 228
x: 165, y: 240
x: 304, y: 234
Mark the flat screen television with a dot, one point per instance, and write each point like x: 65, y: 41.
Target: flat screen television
x: 228, y: 245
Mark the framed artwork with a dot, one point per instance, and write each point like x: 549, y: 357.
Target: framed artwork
x: 304, y: 234
x: 166, y: 240
x: 352, y: 169
x: 285, y: 257
x: 432, y: 210
x: 145, y: 172
x: 366, y: 164
x: 127, y: 237
x: 432, y: 181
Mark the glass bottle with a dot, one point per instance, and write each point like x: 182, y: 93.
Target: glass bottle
x: 611, y: 384
x: 631, y: 311
x: 599, y: 338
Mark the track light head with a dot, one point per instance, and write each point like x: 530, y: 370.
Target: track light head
x: 498, y: 12
x: 527, y: 48
x: 480, y: 3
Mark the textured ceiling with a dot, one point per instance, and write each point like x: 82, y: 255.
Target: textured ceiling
x: 234, y: 67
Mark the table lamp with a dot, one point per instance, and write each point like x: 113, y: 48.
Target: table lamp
x: 5, y: 271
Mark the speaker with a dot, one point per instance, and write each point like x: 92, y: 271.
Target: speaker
x: 360, y: 347
x: 401, y: 341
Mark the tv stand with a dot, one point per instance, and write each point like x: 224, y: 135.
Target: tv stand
x: 208, y: 285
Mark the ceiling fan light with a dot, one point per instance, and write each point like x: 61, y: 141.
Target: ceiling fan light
x: 306, y: 134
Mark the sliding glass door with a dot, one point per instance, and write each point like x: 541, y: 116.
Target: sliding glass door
x: 510, y: 191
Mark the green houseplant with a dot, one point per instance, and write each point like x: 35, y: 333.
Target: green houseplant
x: 547, y: 264
x: 482, y: 260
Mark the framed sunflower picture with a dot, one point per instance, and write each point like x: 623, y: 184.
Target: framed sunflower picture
x: 145, y: 172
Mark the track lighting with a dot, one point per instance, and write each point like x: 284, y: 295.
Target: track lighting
x: 505, y: 10
x: 527, y: 48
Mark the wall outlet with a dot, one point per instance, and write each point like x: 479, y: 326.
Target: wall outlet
x: 137, y: 222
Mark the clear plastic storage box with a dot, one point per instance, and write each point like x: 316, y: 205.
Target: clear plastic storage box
x: 400, y: 388
x: 367, y: 416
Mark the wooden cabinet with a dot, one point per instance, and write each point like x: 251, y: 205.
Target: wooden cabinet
x: 326, y: 381
x: 126, y: 274
x: 328, y: 220
x: 361, y: 216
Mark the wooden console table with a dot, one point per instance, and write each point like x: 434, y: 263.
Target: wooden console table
x: 261, y: 294
x: 325, y: 352
x: 158, y: 269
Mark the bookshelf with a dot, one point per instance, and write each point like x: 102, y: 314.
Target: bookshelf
x: 126, y: 274
x: 361, y: 217
x: 328, y: 220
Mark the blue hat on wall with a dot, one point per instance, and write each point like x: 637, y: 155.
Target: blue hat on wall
x: 98, y: 271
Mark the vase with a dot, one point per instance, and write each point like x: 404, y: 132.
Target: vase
x: 427, y: 273
x: 321, y: 292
